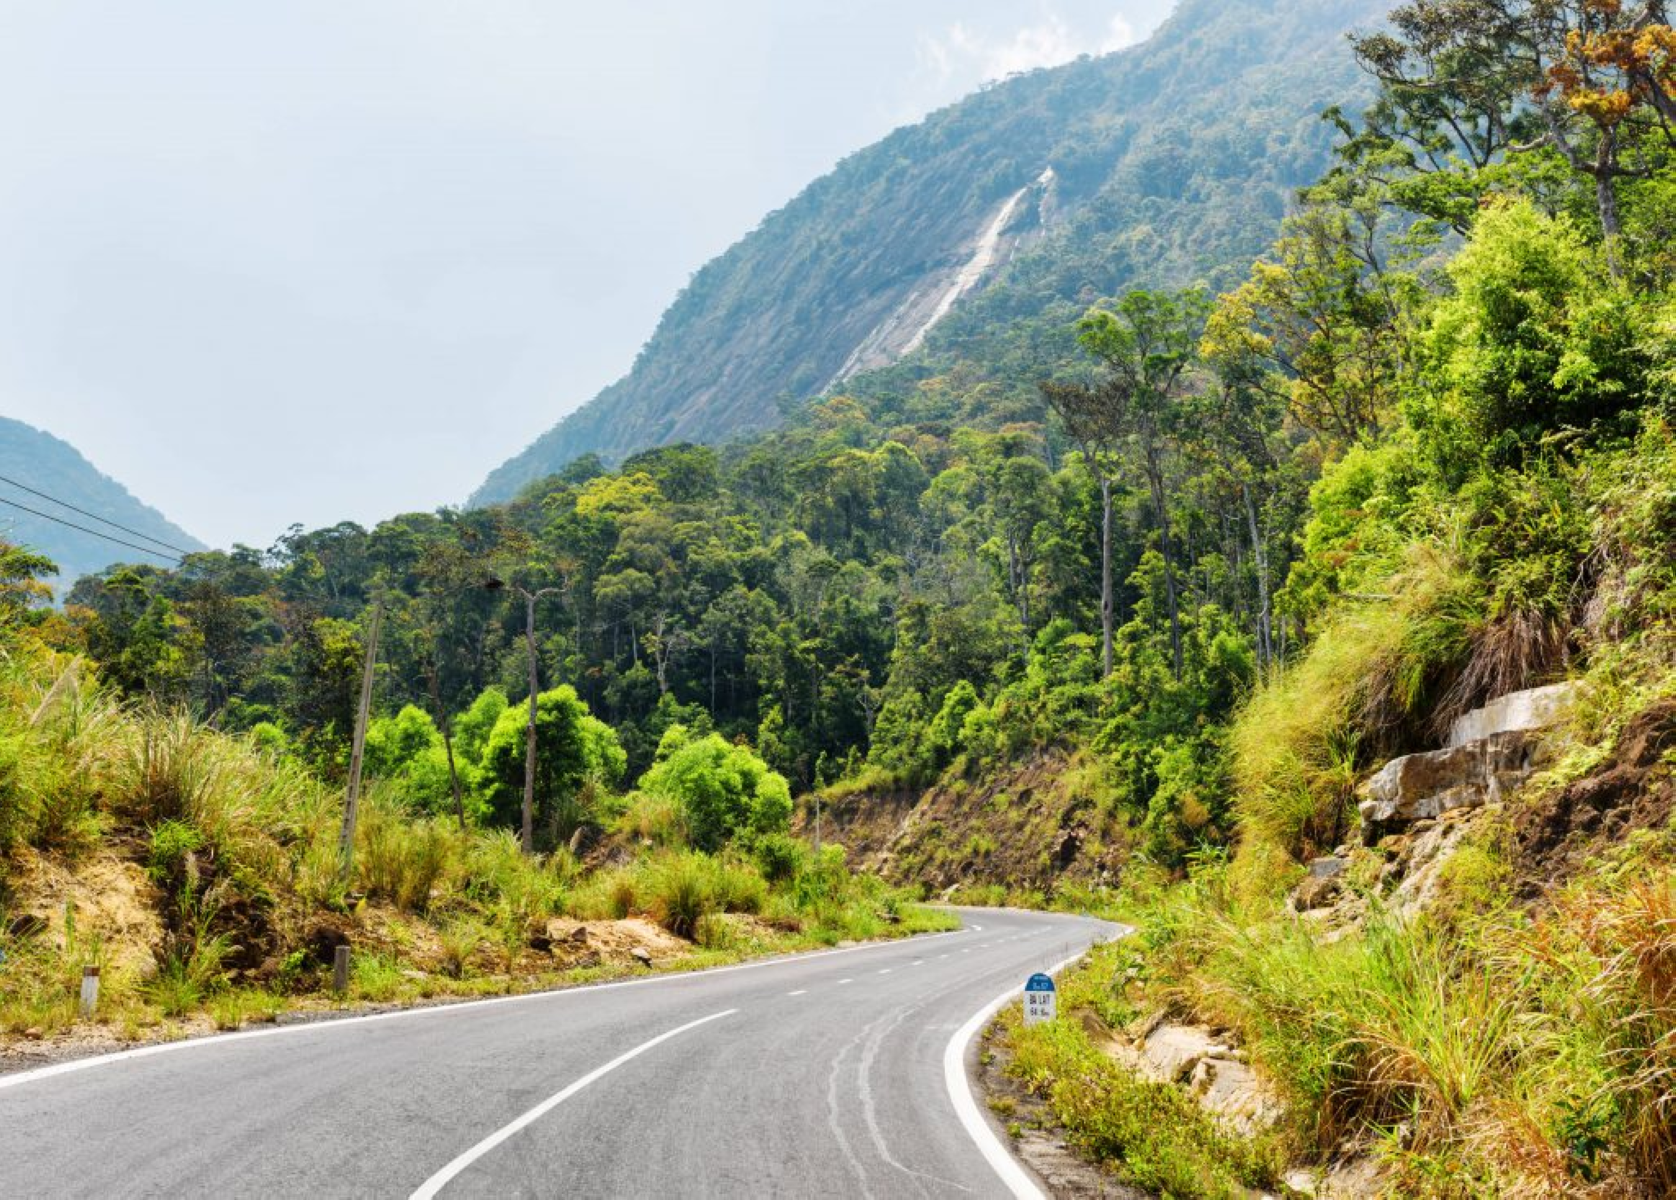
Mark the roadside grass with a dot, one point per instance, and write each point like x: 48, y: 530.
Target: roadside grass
x: 1152, y: 1135
x: 233, y: 849
x: 1479, y: 1050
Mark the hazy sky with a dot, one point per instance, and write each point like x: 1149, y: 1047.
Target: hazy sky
x: 307, y: 262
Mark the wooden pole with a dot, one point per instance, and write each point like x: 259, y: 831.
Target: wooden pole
x: 529, y: 729
x: 340, y: 969
x: 352, y: 800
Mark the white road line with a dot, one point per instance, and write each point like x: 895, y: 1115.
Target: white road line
x: 437, y: 1182
x: 1017, y: 1180
x: 799, y: 992
x: 103, y: 1060
x: 886, y: 971
x: 841, y: 982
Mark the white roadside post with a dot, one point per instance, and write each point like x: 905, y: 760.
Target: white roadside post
x: 1041, y: 1000
x: 89, y: 990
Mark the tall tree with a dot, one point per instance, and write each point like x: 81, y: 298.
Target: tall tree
x: 1146, y: 342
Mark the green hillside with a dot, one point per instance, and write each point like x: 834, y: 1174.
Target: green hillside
x: 1170, y: 162
x: 39, y: 461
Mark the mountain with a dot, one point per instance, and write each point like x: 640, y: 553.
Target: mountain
x: 1169, y: 163
x: 32, y: 459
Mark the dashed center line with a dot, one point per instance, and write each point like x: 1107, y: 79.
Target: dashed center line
x: 841, y: 982
x: 886, y: 971
x: 799, y: 992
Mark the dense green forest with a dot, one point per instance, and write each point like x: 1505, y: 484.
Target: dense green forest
x: 1253, y: 541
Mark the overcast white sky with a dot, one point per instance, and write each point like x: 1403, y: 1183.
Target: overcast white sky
x: 316, y: 261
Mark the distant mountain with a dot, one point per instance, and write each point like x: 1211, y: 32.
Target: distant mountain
x: 49, y: 465
x: 1168, y: 163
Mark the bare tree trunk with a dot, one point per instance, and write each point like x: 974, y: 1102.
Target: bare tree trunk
x: 1106, y: 598
x: 447, y: 728
x: 1018, y: 577
x: 1155, y: 483
x: 1606, y: 200
x: 1260, y: 559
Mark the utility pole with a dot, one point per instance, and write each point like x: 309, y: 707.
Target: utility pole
x: 352, y: 801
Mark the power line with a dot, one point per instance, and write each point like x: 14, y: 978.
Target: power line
x: 95, y: 532
x: 96, y: 516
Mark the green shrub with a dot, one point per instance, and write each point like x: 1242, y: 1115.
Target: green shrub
x: 171, y: 842
x: 1531, y: 340
x: 780, y: 856
x: 1155, y: 1135
x: 727, y: 791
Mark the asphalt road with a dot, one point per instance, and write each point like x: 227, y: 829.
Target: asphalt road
x: 835, y: 1074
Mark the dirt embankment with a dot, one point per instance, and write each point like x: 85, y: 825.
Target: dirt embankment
x: 1035, y: 825
x: 1634, y: 789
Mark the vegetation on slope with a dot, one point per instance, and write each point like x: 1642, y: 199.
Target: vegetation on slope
x: 1504, y: 519
x: 200, y: 869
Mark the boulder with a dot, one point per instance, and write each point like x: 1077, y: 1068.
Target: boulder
x: 1172, y: 1051
x: 1516, y: 712
x: 1317, y: 891
x: 642, y: 956
x: 1231, y: 1090
x: 1418, y: 786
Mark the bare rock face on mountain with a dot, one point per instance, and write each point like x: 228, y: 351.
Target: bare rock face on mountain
x: 979, y: 235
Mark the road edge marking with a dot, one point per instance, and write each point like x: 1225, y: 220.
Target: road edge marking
x: 17, y: 1078
x: 429, y: 1189
x: 1000, y: 1157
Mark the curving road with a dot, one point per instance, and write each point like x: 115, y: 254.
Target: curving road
x: 841, y: 1073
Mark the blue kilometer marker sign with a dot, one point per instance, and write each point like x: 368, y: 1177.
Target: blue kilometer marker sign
x: 1041, y: 1001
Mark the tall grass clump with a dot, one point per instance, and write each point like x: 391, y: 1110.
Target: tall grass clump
x: 53, y: 721
x: 401, y: 857
x: 679, y: 890
x: 1301, y: 740
x: 517, y: 891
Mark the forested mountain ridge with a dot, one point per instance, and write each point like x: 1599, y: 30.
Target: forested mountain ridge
x: 38, y: 460
x: 1161, y: 165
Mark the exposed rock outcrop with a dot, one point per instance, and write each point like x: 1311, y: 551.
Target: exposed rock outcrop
x: 1516, y: 712
x: 1212, y: 1070
x: 1491, y: 751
